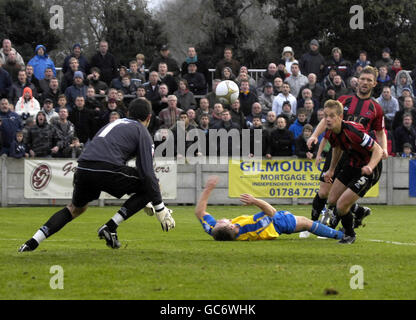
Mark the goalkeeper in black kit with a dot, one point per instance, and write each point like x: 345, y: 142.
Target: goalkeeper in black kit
x: 102, y: 167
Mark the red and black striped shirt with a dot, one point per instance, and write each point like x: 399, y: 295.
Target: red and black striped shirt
x: 354, y: 140
x: 365, y: 111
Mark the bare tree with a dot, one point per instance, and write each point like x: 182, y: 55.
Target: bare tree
x: 196, y: 22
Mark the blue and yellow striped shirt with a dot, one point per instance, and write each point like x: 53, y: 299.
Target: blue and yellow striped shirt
x: 257, y: 227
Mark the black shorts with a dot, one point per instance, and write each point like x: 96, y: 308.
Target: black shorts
x: 327, y: 164
x: 358, y: 183
x: 90, y: 178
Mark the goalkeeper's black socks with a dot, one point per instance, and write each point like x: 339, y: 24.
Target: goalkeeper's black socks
x: 317, y: 206
x: 53, y: 225
x: 56, y: 222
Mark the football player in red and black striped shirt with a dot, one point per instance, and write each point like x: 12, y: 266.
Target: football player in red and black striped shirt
x: 361, y: 108
x: 359, y: 172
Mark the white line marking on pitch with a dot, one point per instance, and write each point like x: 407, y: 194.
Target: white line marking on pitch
x: 392, y: 242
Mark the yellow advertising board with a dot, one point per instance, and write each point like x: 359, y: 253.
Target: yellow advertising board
x: 283, y: 178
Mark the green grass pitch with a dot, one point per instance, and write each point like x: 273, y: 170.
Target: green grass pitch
x: 186, y: 264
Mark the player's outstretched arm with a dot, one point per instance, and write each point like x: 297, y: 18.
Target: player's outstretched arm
x: 248, y: 199
x: 382, y: 141
x: 201, y: 206
x: 320, y: 149
x: 320, y: 128
x: 376, y: 156
x: 336, y: 156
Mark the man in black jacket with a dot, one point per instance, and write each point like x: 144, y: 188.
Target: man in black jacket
x: 406, y: 133
x: 408, y: 107
x: 281, y: 140
x: 201, y: 65
x: 312, y: 61
x: 233, y: 131
x: 164, y: 57
x: 152, y: 90
x: 82, y: 118
x: 16, y: 90
x: 106, y: 62
x: 246, y: 97
x: 196, y: 80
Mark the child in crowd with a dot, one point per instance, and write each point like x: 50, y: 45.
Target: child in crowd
x: 74, y: 149
x: 301, y: 148
x: 18, y: 147
x: 407, y: 151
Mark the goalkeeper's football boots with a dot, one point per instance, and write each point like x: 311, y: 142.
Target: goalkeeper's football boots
x: 360, y: 215
x: 29, y: 245
x: 24, y: 247
x: 110, y: 237
x: 347, y: 239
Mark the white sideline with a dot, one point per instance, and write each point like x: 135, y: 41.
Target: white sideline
x: 392, y: 242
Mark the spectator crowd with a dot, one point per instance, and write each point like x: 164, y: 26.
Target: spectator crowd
x: 43, y: 114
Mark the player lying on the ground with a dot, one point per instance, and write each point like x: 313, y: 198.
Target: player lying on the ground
x: 265, y: 225
x: 102, y: 167
x: 358, y: 174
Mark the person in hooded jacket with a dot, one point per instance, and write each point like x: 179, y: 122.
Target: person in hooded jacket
x: 27, y: 105
x: 312, y: 61
x: 40, y: 62
x: 18, y: 147
x: 41, y: 140
x: 84, y: 65
x: 403, y: 80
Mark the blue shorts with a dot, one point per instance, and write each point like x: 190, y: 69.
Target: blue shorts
x: 284, y: 222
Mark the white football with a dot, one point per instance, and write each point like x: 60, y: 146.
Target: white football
x: 227, y: 92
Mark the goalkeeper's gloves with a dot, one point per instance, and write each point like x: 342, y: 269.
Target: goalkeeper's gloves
x: 149, y: 209
x: 165, y: 218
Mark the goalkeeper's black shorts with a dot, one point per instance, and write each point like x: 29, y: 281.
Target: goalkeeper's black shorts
x: 91, y: 178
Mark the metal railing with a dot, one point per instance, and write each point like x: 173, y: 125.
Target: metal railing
x: 254, y: 73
